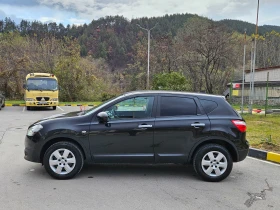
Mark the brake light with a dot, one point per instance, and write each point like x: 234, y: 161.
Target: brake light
x: 240, y: 125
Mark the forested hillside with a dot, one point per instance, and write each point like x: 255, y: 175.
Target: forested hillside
x: 240, y: 26
x: 109, y: 55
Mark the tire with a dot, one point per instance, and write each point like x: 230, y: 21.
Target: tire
x: 54, y: 107
x: 212, y: 162
x: 57, y: 158
x: 3, y: 104
x: 28, y: 107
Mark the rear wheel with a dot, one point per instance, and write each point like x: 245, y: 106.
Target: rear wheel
x: 3, y: 104
x: 63, y: 160
x: 212, y: 162
x: 28, y: 107
x: 54, y: 107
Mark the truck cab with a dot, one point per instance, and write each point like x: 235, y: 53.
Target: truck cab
x: 41, y: 90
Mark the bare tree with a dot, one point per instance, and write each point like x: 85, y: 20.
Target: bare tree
x: 208, y: 54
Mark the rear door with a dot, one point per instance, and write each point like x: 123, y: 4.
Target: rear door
x: 180, y: 123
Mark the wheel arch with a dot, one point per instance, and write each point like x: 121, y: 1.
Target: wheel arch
x: 228, y: 145
x: 60, y: 139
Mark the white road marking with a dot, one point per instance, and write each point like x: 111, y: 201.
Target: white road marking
x: 275, y: 164
x: 23, y: 109
x: 60, y: 108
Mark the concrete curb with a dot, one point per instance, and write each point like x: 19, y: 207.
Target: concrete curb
x: 14, y: 104
x: 264, y: 155
x: 59, y: 105
x: 76, y: 105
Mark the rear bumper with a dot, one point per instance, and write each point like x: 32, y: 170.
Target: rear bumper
x: 242, y: 154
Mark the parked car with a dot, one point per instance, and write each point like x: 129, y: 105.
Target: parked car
x: 143, y: 127
x: 2, y: 101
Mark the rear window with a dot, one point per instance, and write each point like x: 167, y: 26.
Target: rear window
x: 177, y: 106
x: 234, y: 110
x: 208, y: 106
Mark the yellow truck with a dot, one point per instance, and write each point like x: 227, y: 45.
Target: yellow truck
x: 41, y: 90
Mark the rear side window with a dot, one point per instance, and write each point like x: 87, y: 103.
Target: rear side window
x: 208, y: 106
x: 177, y: 106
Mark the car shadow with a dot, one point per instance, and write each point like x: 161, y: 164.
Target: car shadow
x: 137, y: 170
x: 41, y: 109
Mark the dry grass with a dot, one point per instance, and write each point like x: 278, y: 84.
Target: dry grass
x: 263, y: 132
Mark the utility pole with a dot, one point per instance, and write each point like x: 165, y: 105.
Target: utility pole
x: 255, y: 52
x: 251, y: 78
x: 266, y: 93
x: 149, y: 37
x: 243, y: 79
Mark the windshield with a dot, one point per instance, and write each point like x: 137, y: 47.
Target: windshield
x: 41, y: 84
x: 90, y: 111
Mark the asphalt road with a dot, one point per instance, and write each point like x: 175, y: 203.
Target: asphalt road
x: 253, y: 184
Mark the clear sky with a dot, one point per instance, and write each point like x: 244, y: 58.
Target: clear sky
x: 84, y: 11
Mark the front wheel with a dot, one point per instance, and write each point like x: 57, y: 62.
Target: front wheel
x: 63, y: 160
x: 212, y: 162
x: 54, y: 107
x: 28, y: 107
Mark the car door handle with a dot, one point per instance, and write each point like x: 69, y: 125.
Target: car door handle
x: 198, y: 125
x: 145, y: 126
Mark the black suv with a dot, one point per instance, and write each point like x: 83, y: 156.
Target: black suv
x: 143, y: 127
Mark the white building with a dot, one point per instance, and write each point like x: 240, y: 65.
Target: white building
x: 260, y: 83
x: 261, y: 74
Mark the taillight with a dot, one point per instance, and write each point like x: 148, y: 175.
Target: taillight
x: 240, y: 125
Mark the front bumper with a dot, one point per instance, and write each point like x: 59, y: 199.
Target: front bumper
x: 40, y: 104
x: 32, y: 150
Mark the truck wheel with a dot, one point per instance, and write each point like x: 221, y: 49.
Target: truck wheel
x: 28, y: 107
x: 63, y: 160
x: 212, y: 162
x: 54, y: 107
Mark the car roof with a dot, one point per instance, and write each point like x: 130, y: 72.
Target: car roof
x: 140, y: 92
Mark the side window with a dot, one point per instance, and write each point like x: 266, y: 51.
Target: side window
x: 177, y: 106
x: 133, y: 108
x: 208, y: 106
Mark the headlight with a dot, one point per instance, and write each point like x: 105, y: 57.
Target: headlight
x: 54, y: 99
x: 34, y: 129
x: 29, y: 99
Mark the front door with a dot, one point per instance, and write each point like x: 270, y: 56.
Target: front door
x: 128, y: 136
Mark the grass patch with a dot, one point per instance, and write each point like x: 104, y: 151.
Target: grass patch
x: 238, y: 107
x: 82, y: 103
x: 263, y: 132
x: 14, y: 102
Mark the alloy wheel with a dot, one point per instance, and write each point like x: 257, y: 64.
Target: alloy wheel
x: 62, y: 161
x: 214, y: 163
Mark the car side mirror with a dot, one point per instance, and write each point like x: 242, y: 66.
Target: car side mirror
x: 102, y: 117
